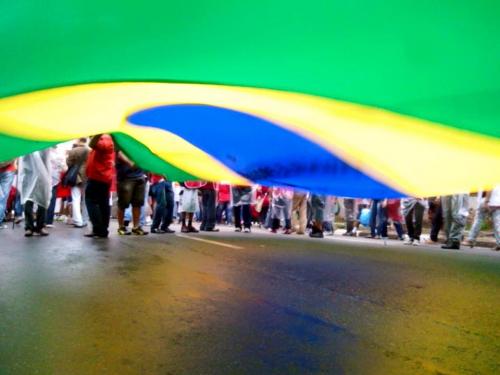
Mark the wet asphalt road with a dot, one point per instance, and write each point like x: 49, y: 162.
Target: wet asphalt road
x: 268, y: 305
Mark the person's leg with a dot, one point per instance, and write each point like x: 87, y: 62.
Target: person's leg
x: 237, y: 217
x: 382, y: 221
x: 302, y: 215
x: 247, y: 218
x: 276, y: 217
x: 169, y: 210
x: 158, y: 191
x: 349, y: 215
x: 124, y: 191
x: 399, y: 229
x: 191, y: 229
x: 91, y: 200
x: 6, y: 179
x: 138, y: 197
x: 218, y: 213
x: 52, y: 206
x: 41, y: 214
x: 85, y: 214
x: 458, y: 220
x: 29, y: 224
x: 496, y: 226
x: 105, y: 207
x: 419, y: 218
x: 211, y: 210
x: 409, y: 224
x: 446, y: 208
x: 437, y: 222
x: 478, y: 222
x: 373, y: 218
x: 204, y: 209
x: 76, y: 198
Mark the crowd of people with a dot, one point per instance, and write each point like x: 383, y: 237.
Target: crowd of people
x: 78, y: 187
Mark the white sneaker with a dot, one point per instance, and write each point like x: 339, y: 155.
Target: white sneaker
x: 408, y: 241
x: 416, y: 242
x: 247, y: 230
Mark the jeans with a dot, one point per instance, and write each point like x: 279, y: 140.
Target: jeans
x: 164, y: 209
x: 30, y: 223
x: 414, y: 219
x: 244, y: 210
x: 97, y: 200
x: 382, y: 221
x: 455, y: 208
x: 6, y: 179
x: 208, y: 211
x: 52, y: 206
x: 223, y: 207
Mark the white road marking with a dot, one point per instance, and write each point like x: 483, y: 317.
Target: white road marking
x: 211, y: 242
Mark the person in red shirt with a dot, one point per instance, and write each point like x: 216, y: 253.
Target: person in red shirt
x: 100, y: 172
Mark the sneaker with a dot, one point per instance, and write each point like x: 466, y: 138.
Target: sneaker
x: 139, y: 231
x: 157, y: 231
x: 408, y: 241
x: 123, y: 231
x: 416, y: 242
x: 237, y: 230
x: 316, y: 235
x: 49, y: 225
x: 287, y: 231
x: 43, y: 232
x: 168, y: 230
x: 28, y: 233
x: 274, y: 231
x: 247, y: 230
x: 452, y: 245
x: 212, y: 230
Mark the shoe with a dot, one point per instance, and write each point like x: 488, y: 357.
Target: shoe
x: 348, y: 234
x: 247, y: 230
x: 329, y: 234
x: 274, y: 231
x: 237, y: 230
x: 192, y: 229
x: 497, y: 248
x: 157, y: 231
x: 49, y: 225
x: 168, y: 230
x: 4, y: 226
x: 316, y: 235
x: 300, y: 232
x: 408, y: 241
x: 42, y: 232
x: 79, y: 226
x: 123, y: 231
x: 416, y: 242
x: 287, y: 231
x: 452, y: 245
x: 90, y: 235
x: 139, y: 231
x: 212, y: 230
x: 18, y: 220
x: 184, y: 229
x: 28, y: 233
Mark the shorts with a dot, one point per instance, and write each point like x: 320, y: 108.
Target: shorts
x: 131, y: 192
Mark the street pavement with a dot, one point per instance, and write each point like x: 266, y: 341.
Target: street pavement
x: 236, y: 303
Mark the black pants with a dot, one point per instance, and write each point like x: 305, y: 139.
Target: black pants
x: 437, y: 221
x: 97, y: 200
x: 52, y: 206
x: 238, y: 211
x: 208, y: 210
x: 415, y: 227
x: 30, y: 223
